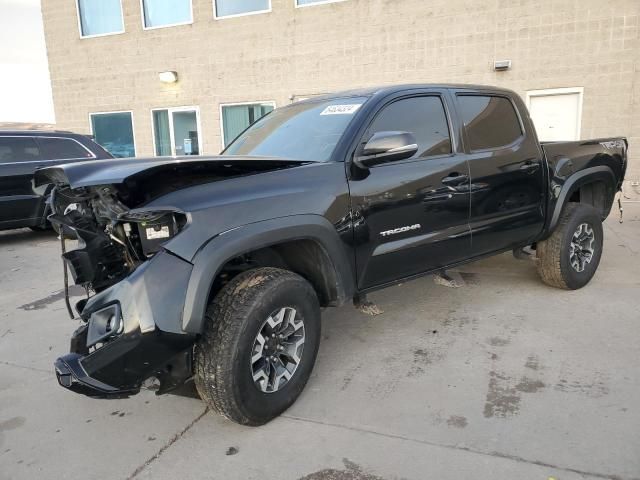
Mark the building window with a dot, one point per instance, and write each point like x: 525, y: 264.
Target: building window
x: 490, y: 122
x: 99, y: 17
x: 166, y: 13
x: 114, y: 131
x: 237, y: 117
x: 176, y: 131
x: 306, y: 3
x: 233, y: 8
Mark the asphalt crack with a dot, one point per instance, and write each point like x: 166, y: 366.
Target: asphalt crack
x: 171, y: 441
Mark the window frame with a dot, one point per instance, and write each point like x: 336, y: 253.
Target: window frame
x: 517, y: 141
x: 237, y: 104
x: 82, y: 36
x: 235, y: 15
x: 169, y: 25
x: 171, y: 133
x: 315, y: 4
x: 133, y: 128
x: 448, y: 117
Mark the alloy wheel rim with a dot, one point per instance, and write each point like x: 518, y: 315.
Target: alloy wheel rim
x: 581, y: 249
x: 277, y: 350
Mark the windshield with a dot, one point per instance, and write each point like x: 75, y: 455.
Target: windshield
x: 302, y: 131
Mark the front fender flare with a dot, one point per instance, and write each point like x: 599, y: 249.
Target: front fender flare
x: 238, y: 241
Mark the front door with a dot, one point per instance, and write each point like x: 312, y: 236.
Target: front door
x: 411, y: 216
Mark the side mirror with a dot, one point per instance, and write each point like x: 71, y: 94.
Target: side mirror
x: 385, y: 147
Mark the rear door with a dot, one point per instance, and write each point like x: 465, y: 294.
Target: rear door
x: 411, y: 216
x: 507, y: 175
x: 19, y: 158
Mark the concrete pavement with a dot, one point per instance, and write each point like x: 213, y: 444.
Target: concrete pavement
x: 502, y: 378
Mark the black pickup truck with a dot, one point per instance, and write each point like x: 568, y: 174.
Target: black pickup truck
x: 217, y: 267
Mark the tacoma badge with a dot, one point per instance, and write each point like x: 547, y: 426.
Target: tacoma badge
x: 387, y: 233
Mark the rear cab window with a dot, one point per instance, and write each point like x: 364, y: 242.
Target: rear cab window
x: 424, y: 117
x: 490, y: 121
x: 62, y: 149
x: 18, y: 149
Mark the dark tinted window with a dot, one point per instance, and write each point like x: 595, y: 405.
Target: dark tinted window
x: 422, y: 116
x: 62, y: 148
x: 18, y: 149
x: 490, y: 122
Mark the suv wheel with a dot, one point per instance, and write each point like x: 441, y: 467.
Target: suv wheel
x: 570, y: 256
x: 259, y: 345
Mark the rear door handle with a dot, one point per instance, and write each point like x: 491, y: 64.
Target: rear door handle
x: 455, y: 179
x: 530, y: 167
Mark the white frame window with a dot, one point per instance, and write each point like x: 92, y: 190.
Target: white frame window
x: 170, y: 111
x: 548, y: 92
x: 255, y: 12
x: 118, y: 32
x: 144, y: 20
x: 237, y: 104
x: 320, y: 2
x: 133, y: 126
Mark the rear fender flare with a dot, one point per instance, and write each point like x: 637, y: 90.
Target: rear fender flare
x: 573, y: 183
x: 228, y: 245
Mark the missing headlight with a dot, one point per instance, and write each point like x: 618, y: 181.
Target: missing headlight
x: 153, y: 228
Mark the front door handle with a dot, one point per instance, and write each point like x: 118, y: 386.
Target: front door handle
x: 455, y: 179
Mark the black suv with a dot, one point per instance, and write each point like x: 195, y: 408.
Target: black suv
x: 21, y: 153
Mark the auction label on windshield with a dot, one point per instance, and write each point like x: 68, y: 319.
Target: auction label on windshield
x: 341, y: 109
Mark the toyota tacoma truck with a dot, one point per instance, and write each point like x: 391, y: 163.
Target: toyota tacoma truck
x: 216, y: 268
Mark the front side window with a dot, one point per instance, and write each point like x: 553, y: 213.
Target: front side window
x: 100, y: 17
x: 163, y: 13
x: 62, y: 149
x: 114, y: 131
x: 226, y: 8
x: 18, y: 149
x: 424, y: 117
x: 490, y: 122
x: 301, y: 131
x: 236, y: 118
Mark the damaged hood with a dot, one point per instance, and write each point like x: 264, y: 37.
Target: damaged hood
x: 119, y: 171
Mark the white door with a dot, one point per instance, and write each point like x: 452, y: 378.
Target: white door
x: 556, y: 113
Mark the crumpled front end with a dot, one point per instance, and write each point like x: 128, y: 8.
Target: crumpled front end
x: 131, y: 321
x: 131, y: 333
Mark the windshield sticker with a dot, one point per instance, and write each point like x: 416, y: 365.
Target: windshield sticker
x: 341, y: 109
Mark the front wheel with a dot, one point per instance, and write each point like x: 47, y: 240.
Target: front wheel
x: 259, y: 345
x: 569, y: 258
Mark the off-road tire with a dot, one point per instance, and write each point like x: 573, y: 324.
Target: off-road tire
x: 554, y: 265
x: 223, y: 353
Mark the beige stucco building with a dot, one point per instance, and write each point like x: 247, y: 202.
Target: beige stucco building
x: 577, y: 62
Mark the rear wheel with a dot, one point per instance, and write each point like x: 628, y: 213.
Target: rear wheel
x: 570, y: 257
x: 259, y: 346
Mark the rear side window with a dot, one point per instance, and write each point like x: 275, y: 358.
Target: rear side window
x: 62, y: 148
x: 18, y: 149
x: 424, y: 117
x: 490, y: 122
